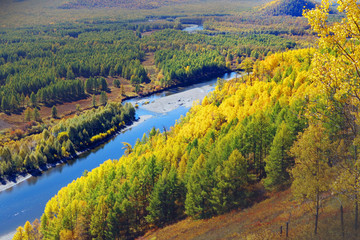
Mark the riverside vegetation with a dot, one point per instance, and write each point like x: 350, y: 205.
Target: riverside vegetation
x: 54, y: 65
x: 292, y: 122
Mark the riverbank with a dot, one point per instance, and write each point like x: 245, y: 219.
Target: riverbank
x: 172, y: 102
x: 8, y: 236
x: 185, y: 98
x: 7, y: 184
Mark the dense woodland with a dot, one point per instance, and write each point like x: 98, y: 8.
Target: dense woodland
x: 63, y: 63
x: 205, y: 166
x: 64, y: 139
x: 45, y: 66
x: 292, y: 122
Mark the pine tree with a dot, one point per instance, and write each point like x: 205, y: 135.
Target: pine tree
x: 165, y: 201
x: 279, y: 161
x: 69, y: 73
x: 4, y: 104
x: 33, y: 100
x: 198, y: 191
x: 27, y: 114
x: 103, y: 84
x: 89, y: 85
x: 103, y: 98
x: 117, y: 83
x: 36, y: 115
x: 231, y: 181
x: 54, y: 112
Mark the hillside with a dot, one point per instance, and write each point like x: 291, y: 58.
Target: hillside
x: 159, y: 180
x: 262, y: 222
x: 287, y: 7
x: 292, y: 123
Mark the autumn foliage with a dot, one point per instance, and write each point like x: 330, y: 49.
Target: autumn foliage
x: 292, y: 122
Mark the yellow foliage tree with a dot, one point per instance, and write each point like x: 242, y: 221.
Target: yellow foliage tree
x: 312, y: 171
x: 337, y: 73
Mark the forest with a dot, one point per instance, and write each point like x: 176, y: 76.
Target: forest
x: 67, y: 63
x: 64, y: 140
x: 160, y: 179
x: 291, y: 122
x: 46, y: 65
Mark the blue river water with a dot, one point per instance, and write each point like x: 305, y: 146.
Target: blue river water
x: 26, y: 200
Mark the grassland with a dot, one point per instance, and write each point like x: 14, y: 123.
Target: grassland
x: 44, y: 12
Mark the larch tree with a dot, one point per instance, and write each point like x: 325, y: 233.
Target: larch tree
x: 36, y: 115
x: 312, y: 172
x: 19, y: 235
x: 247, y: 65
x: 232, y: 179
x: 103, y: 98
x: 33, y: 100
x: 54, y: 112
x: 279, y: 160
x: 93, y: 100
x: 337, y: 73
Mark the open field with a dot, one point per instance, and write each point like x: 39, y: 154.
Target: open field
x: 44, y: 12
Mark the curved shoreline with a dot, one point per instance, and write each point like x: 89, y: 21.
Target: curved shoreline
x: 162, y: 105
x: 23, y: 177
x: 157, y: 106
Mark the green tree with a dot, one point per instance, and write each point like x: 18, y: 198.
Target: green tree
x: 4, y: 104
x: 27, y: 114
x: 89, y: 85
x: 36, y: 115
x: 165, y: 203
x: 54, y: 112
x: 117, y: 83
x: 103, y: 98
x: 33, y: 100
x: 69, y: 73
x: 231, y: 179
x: 197, y: 203
x: 103, y: 84
x: 279, y: 161
x: 98, y: 219
x: 78, y: 108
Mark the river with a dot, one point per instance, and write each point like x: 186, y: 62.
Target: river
x: 193, y: 28
x: 26, y: 200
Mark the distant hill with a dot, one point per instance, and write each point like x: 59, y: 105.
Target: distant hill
x: 287, y: 7
x: 129, y: 4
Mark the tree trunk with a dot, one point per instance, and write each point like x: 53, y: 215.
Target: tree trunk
x: 317, y: 212
x: 287, y: 230
x: 342, y: 221
x: 356, y: 214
